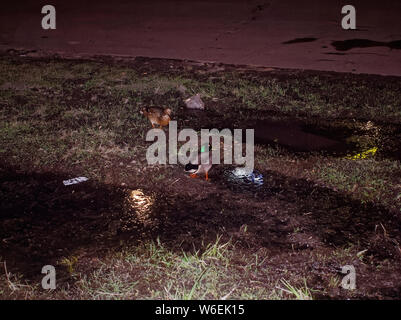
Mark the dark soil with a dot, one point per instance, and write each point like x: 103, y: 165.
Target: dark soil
x: 43, y: 220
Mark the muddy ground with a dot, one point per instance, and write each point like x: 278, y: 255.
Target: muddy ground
x: 301, y: 225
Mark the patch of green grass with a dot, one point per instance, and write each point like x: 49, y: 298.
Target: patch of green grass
x: 25, y: 75
x: 367, y: 179
x: 153, y: 271
x: 68, y: 114
x: 106, y: 283
x: 85, y: 97
x: 14, y: 286
x: 302, y: 293
x: 256, y: 95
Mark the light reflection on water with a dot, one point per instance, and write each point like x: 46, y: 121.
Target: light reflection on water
x: 138, y: 208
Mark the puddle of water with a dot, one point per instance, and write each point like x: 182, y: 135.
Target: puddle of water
x: 364, y: 43
x: 364, y: 139
x: 350, y: 139
x: 299, y: 40
x: 292, y: 134
x: 337, y: 137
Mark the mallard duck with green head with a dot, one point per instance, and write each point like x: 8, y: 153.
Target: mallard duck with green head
x: 200, y: 162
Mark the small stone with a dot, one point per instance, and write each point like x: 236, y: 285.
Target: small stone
x: 195, y: 102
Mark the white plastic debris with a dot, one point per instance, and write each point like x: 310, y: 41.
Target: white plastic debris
x: 195, y: 102
x: 75, y: 180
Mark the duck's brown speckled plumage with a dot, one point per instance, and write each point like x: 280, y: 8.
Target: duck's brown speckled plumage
x: 157, y: 116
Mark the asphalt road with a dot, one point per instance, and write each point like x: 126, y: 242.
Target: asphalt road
x: 238, y: 32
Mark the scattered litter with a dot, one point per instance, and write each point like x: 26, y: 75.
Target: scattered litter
x: 363, y: 155
x: 361, y: 253
x: 244, y: 178
x: 195, y: 102
x: 74, y: 181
